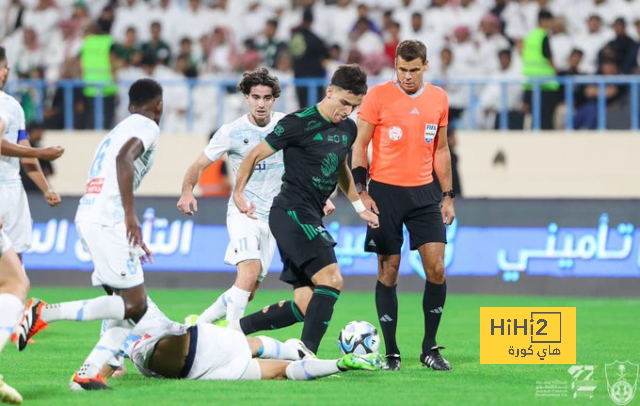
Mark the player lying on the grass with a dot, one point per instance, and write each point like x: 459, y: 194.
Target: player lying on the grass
x: 208, y: 352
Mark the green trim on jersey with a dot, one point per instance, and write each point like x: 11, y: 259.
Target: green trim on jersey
x: 309, y: 111
x: 271, y: 146
x: 308, y: 229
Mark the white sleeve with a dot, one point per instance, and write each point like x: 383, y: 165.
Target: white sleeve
x: 22, y: 124
x: 219, y: 144
x: 148, y: 134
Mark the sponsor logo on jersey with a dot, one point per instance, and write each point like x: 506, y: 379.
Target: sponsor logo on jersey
x: 95, y: 186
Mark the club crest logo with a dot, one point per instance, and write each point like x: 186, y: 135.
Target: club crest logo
x: 279, y: 130
x: 622, y: 378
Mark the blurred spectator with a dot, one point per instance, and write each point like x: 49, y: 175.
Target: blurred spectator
x: 156, y: 47
x: 537, y: 62
x: 43, y: 19
x: 344, y: 17
x: 223, y: 53
x: 490, y: 41
x: 129, y: 52
x: 465, y: 52
x: 105, y: 20
x: 491, y: 98
x: 98, y: 64
x: 586, y: 116
x: 592, y: 42
x: 624, y: 47
x: 36, y: 133
x: 130, y: 13
x: 391, y: 42
x: 561, y: 43
x: 365, y: 40
x: 309, y: 54
x: 28, y: 55
x: 458, y: 94
x: 11, y: 17
x: 64, y: 46
x: 269, y: 45
x: 573, y: 69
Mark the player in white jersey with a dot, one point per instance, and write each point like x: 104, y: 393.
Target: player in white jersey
x: 251, y: 245
x: 109, y: 229
x: 207, y: 352
x: 15, y: 207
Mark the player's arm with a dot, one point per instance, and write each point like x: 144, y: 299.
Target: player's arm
x: 345, y: 182
x: 33, y: 169
x: 129, y: 152
x: 22, y: 151
x: 442, y: 167
x: 191, y: 177
x: 261, y: 152
x: 359, y: 162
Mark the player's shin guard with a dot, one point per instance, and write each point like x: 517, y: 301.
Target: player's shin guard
x: 387, y: 307
x: 432, y: 305
x: 318, y: 316
x: 274, y: 349
x: 273, y: 317
x: 311, y: 369
x: 10, y: 313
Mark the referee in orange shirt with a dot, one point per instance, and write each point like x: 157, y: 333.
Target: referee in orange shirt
x: 406, y: 121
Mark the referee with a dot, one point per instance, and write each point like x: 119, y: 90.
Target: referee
x: 406, y: 122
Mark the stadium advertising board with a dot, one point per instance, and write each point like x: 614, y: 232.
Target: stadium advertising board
x: 489, y: 238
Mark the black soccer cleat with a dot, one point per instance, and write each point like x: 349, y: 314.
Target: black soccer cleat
x: 434, y: 360
x: 392, y: 362
x: 78, y: 384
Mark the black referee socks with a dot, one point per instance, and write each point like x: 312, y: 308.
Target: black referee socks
x: 387, y: 307
x: 432, y: 305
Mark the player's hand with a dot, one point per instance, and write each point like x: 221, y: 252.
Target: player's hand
x: 52, y: 197
x: 50, y: 153
x: 369, y: 203
x: 448, y: 212
x: 329, y: 207
x: 146, y: 254
x: 371, y: 218
x: 134, y: 232
x: 185, y: 203
x: 243, y: 207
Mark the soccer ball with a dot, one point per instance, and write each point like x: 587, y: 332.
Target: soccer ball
x: 359, y: 337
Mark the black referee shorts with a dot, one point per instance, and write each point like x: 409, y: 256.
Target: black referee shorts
x: 416, y: 207
x: 305, y: 247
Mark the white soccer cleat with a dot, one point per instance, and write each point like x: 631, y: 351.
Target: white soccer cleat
x: 8, y: 394
x: 303, y: 351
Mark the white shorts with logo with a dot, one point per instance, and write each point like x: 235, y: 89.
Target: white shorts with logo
x: 14, y: 211
x: 116, y: 263
x: 249, y: 239
x: 5, y: 243
x: 222, y: 354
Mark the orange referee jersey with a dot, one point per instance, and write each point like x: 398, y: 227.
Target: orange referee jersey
x: 404, y: 138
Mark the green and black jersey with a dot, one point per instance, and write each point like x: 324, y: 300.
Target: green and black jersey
x: 314, y: 148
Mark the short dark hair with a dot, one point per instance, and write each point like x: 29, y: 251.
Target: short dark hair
x: 411, y: 49
x: 259, y: 77
x: 144, y: 91
x: 351, y: 78
x: 3, y: 55
x: 544, y: 15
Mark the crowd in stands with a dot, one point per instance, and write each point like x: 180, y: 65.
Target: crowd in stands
x: 176, y: 40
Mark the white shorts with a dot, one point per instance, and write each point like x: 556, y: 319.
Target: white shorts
x: 16, y: 216
x: 116, y: 263
x: 249, y: 239
x: 5, y: 243
x: 222, y: 354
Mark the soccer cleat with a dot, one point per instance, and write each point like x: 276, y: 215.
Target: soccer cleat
x: 8, y: 394
x: 303, y: 351
x: 392, y: 362
x: 31, y: 323
x: 369, y: 362
x: 78, y: 384
x: 434, y: 360
x: 190, y: 320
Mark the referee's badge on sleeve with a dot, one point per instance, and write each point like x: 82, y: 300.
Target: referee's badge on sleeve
x: 430, y: 131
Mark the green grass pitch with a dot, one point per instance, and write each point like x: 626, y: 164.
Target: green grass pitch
x: 607, y: 330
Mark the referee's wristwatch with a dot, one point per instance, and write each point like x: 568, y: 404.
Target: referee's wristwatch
x: 449, y: 193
